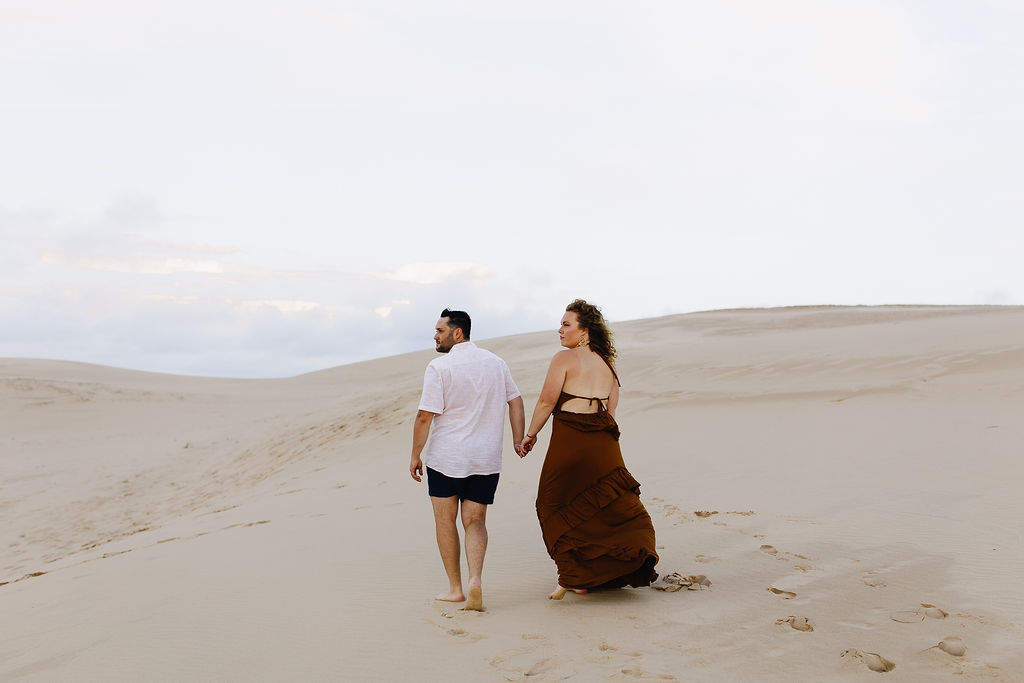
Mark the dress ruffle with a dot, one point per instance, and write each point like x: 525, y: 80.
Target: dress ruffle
x: 587, y: 504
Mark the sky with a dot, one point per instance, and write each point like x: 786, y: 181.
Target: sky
x: 263, y: 189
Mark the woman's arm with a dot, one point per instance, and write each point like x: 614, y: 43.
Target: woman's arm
x: 553, y: 383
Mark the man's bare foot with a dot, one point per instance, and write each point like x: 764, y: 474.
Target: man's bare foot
x: 476, y: 599
x: 454, y: 596
x: 560, y: 592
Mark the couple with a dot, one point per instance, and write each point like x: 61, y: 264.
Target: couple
x: 593, y: 524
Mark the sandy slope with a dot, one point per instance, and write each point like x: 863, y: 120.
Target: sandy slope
x: 860, y: 461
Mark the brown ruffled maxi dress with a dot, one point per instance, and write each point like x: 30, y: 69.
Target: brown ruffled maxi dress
x: 595, y: 527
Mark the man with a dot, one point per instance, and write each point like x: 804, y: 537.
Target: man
x: 464, y: 397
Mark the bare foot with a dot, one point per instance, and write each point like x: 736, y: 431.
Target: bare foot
x: 560, y: 592
x: 454, y: 596
x: 476, y: 599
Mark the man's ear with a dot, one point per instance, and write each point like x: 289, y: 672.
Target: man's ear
x: 457, y: 334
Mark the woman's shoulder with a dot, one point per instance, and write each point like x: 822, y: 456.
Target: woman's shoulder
x: 569, y: 360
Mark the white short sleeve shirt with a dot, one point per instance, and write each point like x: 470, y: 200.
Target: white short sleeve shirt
x: 468, y: 389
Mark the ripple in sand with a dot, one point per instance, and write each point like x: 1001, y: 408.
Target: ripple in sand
x: 786, y: 595
x: 871, y: 660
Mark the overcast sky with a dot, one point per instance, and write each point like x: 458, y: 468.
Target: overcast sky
x: 260, y: 189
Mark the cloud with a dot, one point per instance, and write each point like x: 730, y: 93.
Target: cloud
x: 432, y: 273
x: 280, y: 305
x: 111, y: 264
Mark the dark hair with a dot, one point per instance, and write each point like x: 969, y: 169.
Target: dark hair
x: 458, y: 319
x: 592, y: 321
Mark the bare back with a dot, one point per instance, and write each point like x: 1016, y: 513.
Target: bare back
x: 587, y: 375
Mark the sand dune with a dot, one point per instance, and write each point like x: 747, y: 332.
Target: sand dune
x: 846, y: 479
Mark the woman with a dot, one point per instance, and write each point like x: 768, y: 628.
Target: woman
x: 594, y: 526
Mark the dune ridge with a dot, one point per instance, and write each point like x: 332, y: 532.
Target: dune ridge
x: 844, y: 478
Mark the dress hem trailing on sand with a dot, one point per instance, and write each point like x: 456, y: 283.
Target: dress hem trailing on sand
x: 595, y: 528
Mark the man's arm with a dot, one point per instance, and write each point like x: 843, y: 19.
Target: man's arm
x: 517, y: 418
x: 420, y: 432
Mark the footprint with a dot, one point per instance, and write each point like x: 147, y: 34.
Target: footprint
x: 637, y: 672
x: 705, y: 513
x: 926, y: 610
x: 675, y: 581
x: 522, y: 663
x: 786, y: 595
x: 870, y: 579
x: 798, y: 623
x: 705, y: 558
x: 540, y: 667
x: 788, y: 557
x: 951, y: 645
x: 871, y: 660
x: 453, y: 629
x: 698, y: 582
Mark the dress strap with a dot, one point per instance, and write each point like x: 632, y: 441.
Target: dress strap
x: 612, y: 368
x: 565, y: 395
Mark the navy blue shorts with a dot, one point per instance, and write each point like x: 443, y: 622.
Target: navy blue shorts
x: 478, y: 488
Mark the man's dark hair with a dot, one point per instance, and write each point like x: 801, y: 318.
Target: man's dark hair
x: 459, y: 319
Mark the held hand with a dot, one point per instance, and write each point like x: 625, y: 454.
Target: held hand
x: 519, y: 449
x: 416, y: 469
x: 527, y: 445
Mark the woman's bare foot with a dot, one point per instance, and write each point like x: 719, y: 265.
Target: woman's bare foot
x: 453, y: 596
x: 560, y: 592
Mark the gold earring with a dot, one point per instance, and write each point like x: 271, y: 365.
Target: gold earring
x: 584, y: 342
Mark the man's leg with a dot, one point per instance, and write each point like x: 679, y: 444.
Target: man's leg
x: 445, y: 512
x: 474, y: 518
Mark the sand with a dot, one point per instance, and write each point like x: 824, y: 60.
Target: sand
x: 845, y: 480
